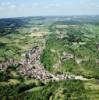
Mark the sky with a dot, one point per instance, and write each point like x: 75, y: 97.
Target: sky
x: 21, y: 8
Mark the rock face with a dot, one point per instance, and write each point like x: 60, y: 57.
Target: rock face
x: 97, y: 46
x: 78, y: 60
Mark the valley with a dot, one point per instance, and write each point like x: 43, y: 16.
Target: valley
x: 49, y: 58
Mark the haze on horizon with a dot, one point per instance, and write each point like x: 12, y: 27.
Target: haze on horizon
x: 20, y: 8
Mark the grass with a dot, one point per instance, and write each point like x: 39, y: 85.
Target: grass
x: 59, y: 90
x: 92, y: 88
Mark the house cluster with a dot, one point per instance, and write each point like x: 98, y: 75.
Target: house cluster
x: 36, y: 71
x: 66, y: 56
x: 9, y: 62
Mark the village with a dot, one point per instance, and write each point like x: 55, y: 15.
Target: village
x: 31, y: 67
